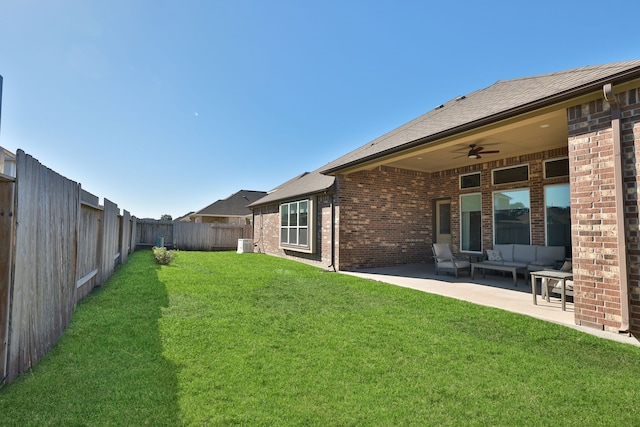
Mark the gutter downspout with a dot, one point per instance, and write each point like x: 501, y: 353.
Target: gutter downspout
x: 333, y: 232
x: 610, y: 97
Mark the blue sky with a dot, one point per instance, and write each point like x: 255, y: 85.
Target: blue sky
x: 164, y: 107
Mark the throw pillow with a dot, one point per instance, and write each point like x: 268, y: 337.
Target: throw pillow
x: 494, y: 255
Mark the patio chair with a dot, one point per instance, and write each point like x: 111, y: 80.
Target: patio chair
x: 446, y: 261
x: 553, y: 285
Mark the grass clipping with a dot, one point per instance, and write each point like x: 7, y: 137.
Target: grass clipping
x: 163, y: 255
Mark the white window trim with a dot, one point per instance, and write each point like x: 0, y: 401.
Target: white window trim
x: 311, y: 235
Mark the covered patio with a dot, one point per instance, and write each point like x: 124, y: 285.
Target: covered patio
x: 495, y: 290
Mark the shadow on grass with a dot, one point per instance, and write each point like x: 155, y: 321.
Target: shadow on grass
x: 108, y: 368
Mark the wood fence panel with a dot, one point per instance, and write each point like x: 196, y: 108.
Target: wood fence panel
x: 7, y: 225
x: 43, y: 293
x: 134, y: 233
x: 110, y: 239
x: 89, y: 242
x: 192, y: 236
x: 125, y: 236
x: 148, y: 230
x: 225, y: 237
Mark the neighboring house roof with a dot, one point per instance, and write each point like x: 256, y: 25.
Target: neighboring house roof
x: 302, y: 185
x: 234, y: 205
x: 185, y: 217
x: 499, y: 101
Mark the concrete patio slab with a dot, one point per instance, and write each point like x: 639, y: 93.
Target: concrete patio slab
x: 496, y: 291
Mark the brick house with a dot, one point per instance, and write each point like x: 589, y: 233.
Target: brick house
x: 545, y: 160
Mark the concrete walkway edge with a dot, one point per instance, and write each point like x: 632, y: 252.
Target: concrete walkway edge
x: 413, y: 277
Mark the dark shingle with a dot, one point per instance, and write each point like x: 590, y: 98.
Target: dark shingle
x: 234, y: 205
x: 302, y: 185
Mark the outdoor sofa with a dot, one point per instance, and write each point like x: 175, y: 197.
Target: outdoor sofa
x: 518, y: 258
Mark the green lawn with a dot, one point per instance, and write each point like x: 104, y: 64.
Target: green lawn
x: 224, y: 339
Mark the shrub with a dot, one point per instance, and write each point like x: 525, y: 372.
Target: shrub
x: 163, y: 256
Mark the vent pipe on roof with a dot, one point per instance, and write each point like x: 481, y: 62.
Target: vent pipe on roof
x: 610, y: 97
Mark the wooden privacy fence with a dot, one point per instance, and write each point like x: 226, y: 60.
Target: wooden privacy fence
x: 56, y: 244
x: 191, y: 236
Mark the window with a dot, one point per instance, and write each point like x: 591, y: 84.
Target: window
x: 471, y: 222
x: 556, y: 168
x: 558, y: 215
x: 444, y: 223
x: 511, y: 219
x: 511, y: 174
x: 470, y: 181
x: 295, y: 227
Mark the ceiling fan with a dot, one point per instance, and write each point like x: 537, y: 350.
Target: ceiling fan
x: 475, y: 151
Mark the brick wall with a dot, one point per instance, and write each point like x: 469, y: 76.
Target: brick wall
x: 594, y: 230
x: 384, y: 218
x: 387, y: 213
x: 267, y: 233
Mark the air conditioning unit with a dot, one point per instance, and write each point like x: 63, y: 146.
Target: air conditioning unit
x: 245, y: 246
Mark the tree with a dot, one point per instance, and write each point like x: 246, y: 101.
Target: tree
x: 166, y: 217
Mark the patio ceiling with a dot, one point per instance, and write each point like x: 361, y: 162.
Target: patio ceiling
x: 514, y: 137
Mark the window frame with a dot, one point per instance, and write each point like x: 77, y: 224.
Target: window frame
x: 309, y: 247
x: 470, y: 174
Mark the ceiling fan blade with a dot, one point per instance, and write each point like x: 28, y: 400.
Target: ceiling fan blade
x: 474, y: 151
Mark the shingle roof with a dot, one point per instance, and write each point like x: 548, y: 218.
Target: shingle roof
x: 496, y: 102
x: 234, y: 205
x: 302, y: 185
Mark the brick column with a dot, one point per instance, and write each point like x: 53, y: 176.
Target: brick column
x: 596, y: 261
